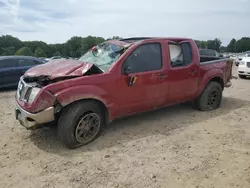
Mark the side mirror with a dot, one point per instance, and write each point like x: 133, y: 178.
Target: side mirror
x: 127, y: 70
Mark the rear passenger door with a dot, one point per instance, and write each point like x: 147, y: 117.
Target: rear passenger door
x: 183, y: 72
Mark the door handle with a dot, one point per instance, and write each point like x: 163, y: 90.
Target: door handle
x: 162, y: 76
x: 193, y: 72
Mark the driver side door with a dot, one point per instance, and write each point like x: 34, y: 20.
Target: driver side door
x: 142, y: 85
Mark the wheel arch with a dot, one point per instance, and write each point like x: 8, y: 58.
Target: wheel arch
x: 99, y: 102
x: 219, y: 80
x: 71, y: 95
x: 214, y: 75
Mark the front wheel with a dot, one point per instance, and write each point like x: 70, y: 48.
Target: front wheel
x: 211, y: 97
x: 81, y: 123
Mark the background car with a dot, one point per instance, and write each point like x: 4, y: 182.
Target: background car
x: 244, y: 67
x: 241, y: 56
x: 209, y: 52
x: 13, y: 67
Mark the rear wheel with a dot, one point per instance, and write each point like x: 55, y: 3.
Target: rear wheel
x: 81, y: 123
x: 242, y: 76
x: 211, y: 97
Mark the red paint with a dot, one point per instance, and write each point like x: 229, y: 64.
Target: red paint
x: 112, y: 88
x: 59, y: 68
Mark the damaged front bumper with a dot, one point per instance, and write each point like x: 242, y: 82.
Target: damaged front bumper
x: 33, y: 120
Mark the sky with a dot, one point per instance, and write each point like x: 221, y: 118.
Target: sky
x: 56, y: 21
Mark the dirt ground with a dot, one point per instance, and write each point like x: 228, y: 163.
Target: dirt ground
x: 173, y: 147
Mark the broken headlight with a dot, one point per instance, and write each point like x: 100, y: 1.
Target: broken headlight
x: 33, y: 94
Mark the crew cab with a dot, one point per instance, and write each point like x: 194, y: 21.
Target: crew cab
x: 119, y: 78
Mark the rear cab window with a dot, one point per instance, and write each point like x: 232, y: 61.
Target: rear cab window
x: 145, y: 58
x: 180, y: 54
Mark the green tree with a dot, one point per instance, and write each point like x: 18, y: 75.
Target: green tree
x: 203, y: 44
x: 231, y: 46
x: 9, y: 45
x: 74, y: 47
x: 223, y: 49
x: 242, y: 45
x: 57, y: 54
x: 24, y: 51
x: 33, y: 45
x: 114, y: 38
x: 210, y: 44
x: 214, y: 44
x: 10, y: 50
x: 217, y: 44
x: 198, y: 43
x: 39, y: 52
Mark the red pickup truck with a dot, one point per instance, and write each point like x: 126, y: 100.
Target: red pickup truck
x: 118, y: 78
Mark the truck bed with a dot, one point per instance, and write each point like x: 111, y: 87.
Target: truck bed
x: 209, y: 59
x: 224, y: 64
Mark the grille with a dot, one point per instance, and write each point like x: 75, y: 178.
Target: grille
x: 23, y: 90
x: 248, y: 64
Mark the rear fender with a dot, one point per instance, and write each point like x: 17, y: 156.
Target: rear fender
x: 76, y: 93
x: 210, y: 75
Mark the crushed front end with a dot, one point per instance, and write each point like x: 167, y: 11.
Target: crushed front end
x: 34, y: 105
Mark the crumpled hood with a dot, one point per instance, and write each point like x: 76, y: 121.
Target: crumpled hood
x: 59, y: 68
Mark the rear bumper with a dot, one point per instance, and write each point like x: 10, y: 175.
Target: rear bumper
x: 32, y: 120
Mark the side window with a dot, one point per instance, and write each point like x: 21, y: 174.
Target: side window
x: 7, y: 63
x: 187, y: 53
x: 176, y: 55
x: 147, y: 57
x: 22, y: 62
x: 180, y: 54
x: 27, y: 62
x: 35, y: 62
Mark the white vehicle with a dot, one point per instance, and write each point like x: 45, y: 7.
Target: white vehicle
x: 244, y: 67
x: 241, y: 56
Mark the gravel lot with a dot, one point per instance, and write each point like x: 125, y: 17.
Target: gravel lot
x: 173, y: 147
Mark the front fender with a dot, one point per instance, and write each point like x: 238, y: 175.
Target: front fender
x: 213, y: 73
x: 76, y: 93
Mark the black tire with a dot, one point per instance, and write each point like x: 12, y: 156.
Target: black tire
x: 242, y: 76
x: 71, y: 119
x: 205, y: 101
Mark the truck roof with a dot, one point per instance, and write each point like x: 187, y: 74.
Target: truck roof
x: 137, y: 39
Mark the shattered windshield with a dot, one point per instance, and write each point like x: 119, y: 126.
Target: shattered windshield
x: 103, y: 55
